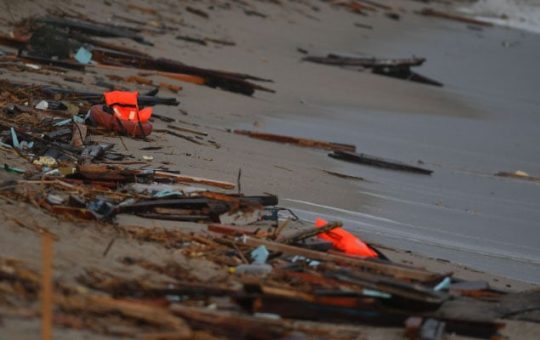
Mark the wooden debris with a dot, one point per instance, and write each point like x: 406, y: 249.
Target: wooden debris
x: 393, y: 270
x: 518, y: 175
x: 196, y: 180
x: 396, y: 68
x: 365, y: 159
x: 309, y: 143
x: 334, y: 59
x: 305, y: 234
x: 340, y: 175
x: 438, y: 14
x: 234, y: 82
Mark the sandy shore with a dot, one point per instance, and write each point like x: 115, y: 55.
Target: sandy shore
x: 265, y: 47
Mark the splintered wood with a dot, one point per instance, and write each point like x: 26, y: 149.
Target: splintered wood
x: 308, y: 143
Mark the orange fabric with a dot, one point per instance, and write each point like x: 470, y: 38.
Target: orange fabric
x: 126, y: 107
x: 344, y: 241
x: 121, y: 97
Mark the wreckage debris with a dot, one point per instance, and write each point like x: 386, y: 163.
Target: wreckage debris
x: 455, y: 17
x: 518, y: 175
x: 396, y: 68
x: 304, y: 142
x: 51, y: 44
x: 362, y: 158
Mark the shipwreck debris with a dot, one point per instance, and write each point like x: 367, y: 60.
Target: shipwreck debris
x: 362, y: 158
x: 304, y: 142
x: 396, y: 68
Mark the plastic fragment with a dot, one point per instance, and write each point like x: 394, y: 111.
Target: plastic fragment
x: 83, y: 56
x: 62, y: 122
x: 13, y: 169
x: 260, y: 254
x: 14, y: 139
x: 42, y: 105
x: 376, y: 293
x: 443, y: 285
x: 168, y: 193
x: 256, y: 269
x: 55, y: 199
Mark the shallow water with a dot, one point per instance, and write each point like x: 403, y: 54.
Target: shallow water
x: 462, y: 212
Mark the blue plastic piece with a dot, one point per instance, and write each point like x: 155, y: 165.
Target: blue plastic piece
x: 14, y: 139
x: 260, y: 254
x: 83, y: 56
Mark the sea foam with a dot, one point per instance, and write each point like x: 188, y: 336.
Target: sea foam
x: 520, y: 14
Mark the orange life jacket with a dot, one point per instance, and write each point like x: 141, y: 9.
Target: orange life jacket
x: 344, y: 241
x: 126, y: 107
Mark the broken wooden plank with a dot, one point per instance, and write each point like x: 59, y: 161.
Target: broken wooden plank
x: 365, y: 159
x: 304, y: 142
x: 334, y: 59
x: 340, y: 175
x: 450, y: 16
x: 305, y: 234
x: 196, y: 180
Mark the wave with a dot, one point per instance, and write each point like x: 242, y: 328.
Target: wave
x: 519, y: 14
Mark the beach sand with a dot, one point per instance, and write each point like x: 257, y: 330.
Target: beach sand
x: 306, y: 94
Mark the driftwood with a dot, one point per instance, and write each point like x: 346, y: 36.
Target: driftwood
x: 518, y: 175
x: 434, y: 13
x: 362, y: 158
x: 107, y: 173
x: 334, y: 59
x: 395, y: 68
x: 196, y: 180
x: 309, y: 143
